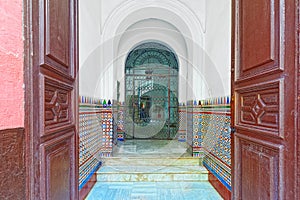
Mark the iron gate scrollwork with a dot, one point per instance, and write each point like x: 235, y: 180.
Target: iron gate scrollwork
x: 151, y: 92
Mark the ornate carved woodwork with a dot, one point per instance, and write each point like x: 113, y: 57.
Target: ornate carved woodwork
x: 57, y: 34
x: 58, y: 107
x: 260, y: 107
x: 52, y: 98
x: 57, y: 167
x: 263, y: 64
x: 260, y: 41
x: 263, y: 162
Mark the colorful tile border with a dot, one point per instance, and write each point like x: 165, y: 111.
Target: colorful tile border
x: 120, y: 124
x: 204, y: 125
x: 89, y: 141
x: 181, y: 136
x: 208, y: 135
x: 96, y: 131
x: 105, y: 103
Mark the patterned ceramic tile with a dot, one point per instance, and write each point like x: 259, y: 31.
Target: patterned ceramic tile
x: 95, y: 136
x: 210, y: 136
x: 89, y: 141
x: 182, y: 124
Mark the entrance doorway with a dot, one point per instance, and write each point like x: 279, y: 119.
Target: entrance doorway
x: 151, y: 92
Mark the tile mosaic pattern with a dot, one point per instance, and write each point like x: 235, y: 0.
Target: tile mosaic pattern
x: 182, y: 124
x: 211, y: 136
x: 120, y: 124
x: 107, y: 132
x: 95, y: 136
x: 189, y: 125
x: 89, y: 141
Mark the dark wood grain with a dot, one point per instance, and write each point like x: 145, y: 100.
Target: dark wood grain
x: 264, y: 88
x: 298, y: 96
x: 51, y: 98
x: 259, y: 31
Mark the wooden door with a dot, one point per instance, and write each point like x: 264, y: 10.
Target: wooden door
x: 264, y: 87
x: 51, y: 99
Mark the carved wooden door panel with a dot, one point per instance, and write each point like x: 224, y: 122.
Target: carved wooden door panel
x: 263, y: 63
x: 53, y: 52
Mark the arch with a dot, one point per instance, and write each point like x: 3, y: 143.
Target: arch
x: 153, y: 30
x: 151, y: 53
x: 175, y: 12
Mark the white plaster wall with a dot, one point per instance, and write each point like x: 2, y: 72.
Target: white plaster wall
x: 197, y: 7
x: 89, y: 43
x: 197, y: 30
x: 218, y: 47
x: 173, y: 12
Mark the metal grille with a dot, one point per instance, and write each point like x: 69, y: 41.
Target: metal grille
x: 151, y: 109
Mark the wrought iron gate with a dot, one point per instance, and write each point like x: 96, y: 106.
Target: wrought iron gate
x: 151, y: 91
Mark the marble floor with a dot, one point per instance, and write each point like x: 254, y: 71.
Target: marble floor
x: 151, y: 148
x: 168, y: 172
x: 153, y: 191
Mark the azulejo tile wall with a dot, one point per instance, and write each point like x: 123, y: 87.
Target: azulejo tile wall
x: 211, y: 136
x: 189, y: 125
x: 120, y: 124
x: 95, y: 136
x: 182, y: 124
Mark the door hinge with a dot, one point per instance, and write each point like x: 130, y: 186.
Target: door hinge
x: 232, y: 129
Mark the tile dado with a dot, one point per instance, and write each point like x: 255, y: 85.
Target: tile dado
x: 182, y: 137
x: 95, y: 137
x: 208, y: 128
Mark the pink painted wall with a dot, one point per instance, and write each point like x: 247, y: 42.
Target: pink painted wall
x: 11, y: 65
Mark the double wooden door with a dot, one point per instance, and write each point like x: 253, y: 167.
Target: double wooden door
x: 264, y: 62
x: 264, y: 84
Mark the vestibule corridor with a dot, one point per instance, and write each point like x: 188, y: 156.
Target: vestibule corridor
x: 154, y: 99
x: 137, y: 168
x: 153, y: 170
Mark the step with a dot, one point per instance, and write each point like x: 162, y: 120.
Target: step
x: 152, y: 173
x: 152, y: 161
x: 153, y: 191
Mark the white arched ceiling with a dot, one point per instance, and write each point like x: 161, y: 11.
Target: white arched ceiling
x: 203, y: 25
x: 172, y: 11
x: 177, y: 20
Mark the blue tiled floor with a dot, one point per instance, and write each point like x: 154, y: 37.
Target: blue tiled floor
x: 153, y: 191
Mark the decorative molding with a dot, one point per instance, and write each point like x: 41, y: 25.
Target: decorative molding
x: 260, y: 107
x: 56, y: 107
x: 267, y: 169
x: 57, y: 162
